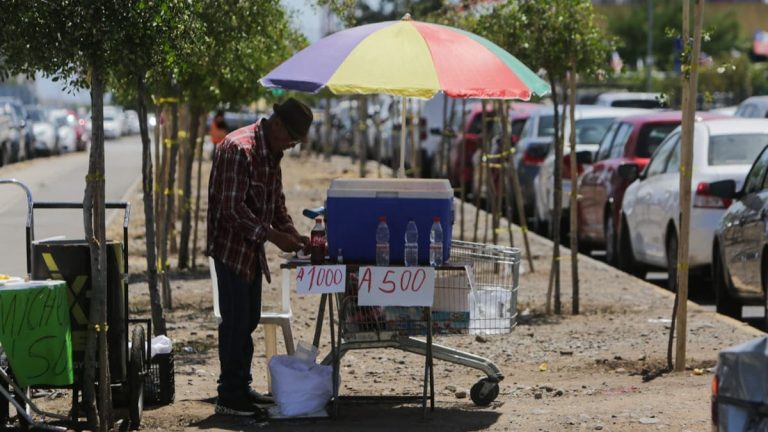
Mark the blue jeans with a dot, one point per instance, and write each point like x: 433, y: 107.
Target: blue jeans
x: 240, y: 305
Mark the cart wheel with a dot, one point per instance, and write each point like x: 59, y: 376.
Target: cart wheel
x: 136, y: 372
x: 484, y: 392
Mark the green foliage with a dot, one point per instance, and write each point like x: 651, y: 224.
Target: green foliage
x: 630, y: 28
x: 231, y: 44
x: 559, y: 35
x: 63, y: 39
x: 366, y: 12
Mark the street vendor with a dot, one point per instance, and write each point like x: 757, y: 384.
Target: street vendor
x: 246, y: 208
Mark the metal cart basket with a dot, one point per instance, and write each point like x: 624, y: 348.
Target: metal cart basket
x: 475, y: 293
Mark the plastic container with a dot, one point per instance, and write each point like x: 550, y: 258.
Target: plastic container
x: 411, y: 248
x: 353, y: 208
x: 382, y: 242
x: 436, y: 243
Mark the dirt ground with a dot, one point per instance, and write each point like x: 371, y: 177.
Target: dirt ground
x: 562, y: 372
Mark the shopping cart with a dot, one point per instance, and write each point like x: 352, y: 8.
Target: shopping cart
x: 475, y: 293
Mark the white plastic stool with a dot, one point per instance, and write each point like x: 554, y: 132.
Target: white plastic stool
x: 270, y: 320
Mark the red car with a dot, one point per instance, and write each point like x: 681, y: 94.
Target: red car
x: 629, y: 141
x: 472, y: 132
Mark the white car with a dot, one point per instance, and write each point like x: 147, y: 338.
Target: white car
x: 64, y: 124
x: 591, y: 124
x: 723, y: 149
x: 114, y: 122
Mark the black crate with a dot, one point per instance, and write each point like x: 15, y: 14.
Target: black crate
x: 159, y: 383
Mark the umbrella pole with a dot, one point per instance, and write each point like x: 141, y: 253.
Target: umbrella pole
x: 403, y: 131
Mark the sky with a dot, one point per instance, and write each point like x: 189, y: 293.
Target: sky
x: 305, y: 15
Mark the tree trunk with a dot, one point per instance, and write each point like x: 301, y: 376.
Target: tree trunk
x: 359, y: 126
x: 460, y: 171
x: 557, y: 198
x: 327, y: 128
x: 95, y: 234
x: 185, y: 206
x: 162, y: 191
x: 180, y: 123
x: 574, y: 230
x: 480, y: 171
x: 199, y: 153
x: 690, y: 83
x: 158, y: 317
x: 169, y: 220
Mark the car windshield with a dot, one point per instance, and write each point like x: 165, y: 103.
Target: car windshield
x: 591, y: 131
x: 36, y: 115
x: 109, y: 118
x: 741, y: 149
x: 651, y: 135
x: 588, y: 131
x: 60, y: 121
x: 637, y: 103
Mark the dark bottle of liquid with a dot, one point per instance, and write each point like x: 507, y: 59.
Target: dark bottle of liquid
x: 317, y: 242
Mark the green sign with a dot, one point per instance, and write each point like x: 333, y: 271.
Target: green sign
x: 35, y: 332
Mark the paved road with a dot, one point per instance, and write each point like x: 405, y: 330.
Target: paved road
x: 753, y: 315
x: 59, y: 178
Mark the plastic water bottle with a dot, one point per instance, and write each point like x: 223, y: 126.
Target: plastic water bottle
x: 436, y: 243
x: 382, y: 242
x: 317, y: 243
x: 411, y: 255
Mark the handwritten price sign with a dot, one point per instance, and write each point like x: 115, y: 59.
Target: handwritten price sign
x: 396, y: 286
x: 323, y: 279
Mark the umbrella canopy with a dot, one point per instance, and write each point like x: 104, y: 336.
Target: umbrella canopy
x: 407, y: 58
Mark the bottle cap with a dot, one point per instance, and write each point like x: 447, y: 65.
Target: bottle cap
x: 382, y: 218
x: 436, y: 219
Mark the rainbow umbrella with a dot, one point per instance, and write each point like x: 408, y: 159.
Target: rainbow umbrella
x: 410, y: 59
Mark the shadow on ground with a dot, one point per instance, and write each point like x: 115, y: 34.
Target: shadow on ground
x: 378, y: 416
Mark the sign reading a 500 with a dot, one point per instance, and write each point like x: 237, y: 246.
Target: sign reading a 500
x: 396, y: 286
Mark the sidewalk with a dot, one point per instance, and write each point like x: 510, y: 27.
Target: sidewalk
x: 562, y: 372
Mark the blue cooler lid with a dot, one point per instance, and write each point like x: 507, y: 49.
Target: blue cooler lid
x: 390, y: 188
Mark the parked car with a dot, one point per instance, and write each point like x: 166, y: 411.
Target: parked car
x: 24, y: 145
x: 630, y: 100
x: 740, y: 250
x: 8, y: 135
x: 629, y: 140
x: 131, y: 122
x: 591, y: 124
x: 70, y: 130
x: 46, y: 142
x: 114, y: 122
x: 753, y: 107
x: 723, y: 149
x: 471, y: 133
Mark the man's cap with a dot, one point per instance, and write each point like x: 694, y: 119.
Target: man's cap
x: 296, y: 116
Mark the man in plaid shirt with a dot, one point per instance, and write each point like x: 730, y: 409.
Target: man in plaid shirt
x: 246, y: 208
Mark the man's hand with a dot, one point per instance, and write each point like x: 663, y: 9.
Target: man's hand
x: 286, y: 242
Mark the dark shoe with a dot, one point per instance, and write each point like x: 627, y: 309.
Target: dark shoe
x: 238, y: 408
x: 258, y: 398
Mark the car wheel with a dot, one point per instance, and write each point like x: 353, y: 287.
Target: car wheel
x: 609, y: 233
x: 539, y: 224
x: 626, y: 258
x: 724, y: 302
x: 672, y: 262
x: 5, y: 154
x: 764, y: 274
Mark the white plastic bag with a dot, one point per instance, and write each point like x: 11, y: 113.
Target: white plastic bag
x: 298, y: 386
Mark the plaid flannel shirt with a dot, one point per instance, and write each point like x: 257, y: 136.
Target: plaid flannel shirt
x: 245, y: 198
